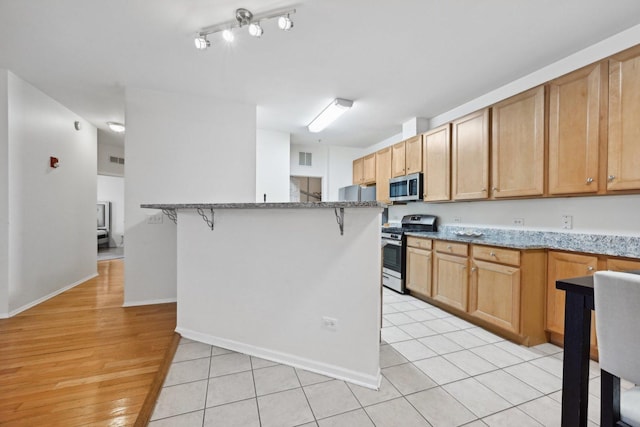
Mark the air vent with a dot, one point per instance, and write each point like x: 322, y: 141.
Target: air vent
x: 118, y: 160
x: 305, y: 159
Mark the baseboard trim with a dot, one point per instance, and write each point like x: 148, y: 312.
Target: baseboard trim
x: 333, y: 371
x: 149, y: 302
x: 51, y: 295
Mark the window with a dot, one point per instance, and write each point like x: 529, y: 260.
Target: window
x: 305, y: 159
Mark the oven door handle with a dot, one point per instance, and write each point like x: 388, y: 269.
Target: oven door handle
x: 392, y: 242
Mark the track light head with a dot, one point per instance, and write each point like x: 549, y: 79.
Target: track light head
x: 201, y: 42
x: 255, y: 29
x: 228, y: 36
x: 285, y: 23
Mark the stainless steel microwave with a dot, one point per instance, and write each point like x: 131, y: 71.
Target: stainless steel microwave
x: 406, y: 188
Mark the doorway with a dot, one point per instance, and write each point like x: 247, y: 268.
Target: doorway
x: 305, y: 189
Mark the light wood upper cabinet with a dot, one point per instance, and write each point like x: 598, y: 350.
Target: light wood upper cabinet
x: 358, y: 171
x: 436, y: 164
x: 413, y: 154
x: 577, y: 102
x: 398, y: 159
x: 369, y: 169
x: 563, y: 265
x: 517, y: 145
x: 383, y: 174
x: 470, y: 156
x: 364, y: 170
x: 623, y: 171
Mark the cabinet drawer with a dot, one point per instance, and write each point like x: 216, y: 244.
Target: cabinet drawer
x: 452, y: 248
x: 417, y: 242
x: 501, y: 255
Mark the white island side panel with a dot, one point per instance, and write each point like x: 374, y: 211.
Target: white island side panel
x: 262, y: 281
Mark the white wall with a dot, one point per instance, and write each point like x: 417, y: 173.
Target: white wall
x: 333, y: 164
x: 52, y: 240
x: 272, y: 165
x: 179, y: 149
x: 105, y: 151
x: 340, y: 168
x: 4, y: 195
x: 111, y: 189
x: 242, y: 286
x: 598, y: 214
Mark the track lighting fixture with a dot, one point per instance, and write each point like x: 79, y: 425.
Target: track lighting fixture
x: 243, y: 18
x: 285, y: 23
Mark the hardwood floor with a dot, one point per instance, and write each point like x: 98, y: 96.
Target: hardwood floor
x: 80, y: 358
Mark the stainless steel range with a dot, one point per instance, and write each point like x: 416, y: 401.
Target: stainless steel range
x: 394, y: 252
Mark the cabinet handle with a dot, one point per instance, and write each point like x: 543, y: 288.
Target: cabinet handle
x: 495, y: 189
x: 590, y: 268
x: 492, y: 253
x: 611, y: 177
x: 474, y: 269
x: 484, y: 190
x: 449, y: 247
x: 589, y: 180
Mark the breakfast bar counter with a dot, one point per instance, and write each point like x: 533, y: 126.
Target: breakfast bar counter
x: 296, y: 283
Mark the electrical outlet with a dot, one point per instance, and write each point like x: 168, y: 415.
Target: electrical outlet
x: 154, y: 219
x: 518, y: 222
x: 457, y: 219
x: 567, y: 222
x: 329, y: 323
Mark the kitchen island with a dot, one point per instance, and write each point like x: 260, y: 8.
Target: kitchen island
x: 296, y: 283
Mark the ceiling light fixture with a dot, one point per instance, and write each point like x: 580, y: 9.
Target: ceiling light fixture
x: 255, y: 29
x: 334, y: 110
x: 116, y: 127
x: 243, y: 18
x: 285, y: 23
x: 201, y: 42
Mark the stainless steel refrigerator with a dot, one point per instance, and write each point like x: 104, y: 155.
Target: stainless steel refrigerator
x: 357, y: 193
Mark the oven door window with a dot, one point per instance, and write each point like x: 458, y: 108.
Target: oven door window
x: 398, y: 189
x: 392, y: 258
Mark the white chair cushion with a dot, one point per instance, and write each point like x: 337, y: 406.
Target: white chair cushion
x: 630, y: 407
x: 617, y: 302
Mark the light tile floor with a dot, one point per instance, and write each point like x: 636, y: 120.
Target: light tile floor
x: 437, y: 370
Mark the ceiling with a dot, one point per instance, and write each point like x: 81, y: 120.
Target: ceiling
x: 396, y: 59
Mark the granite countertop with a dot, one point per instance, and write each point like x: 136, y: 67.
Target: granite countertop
x: 604, y: 244
x: 288, y: 205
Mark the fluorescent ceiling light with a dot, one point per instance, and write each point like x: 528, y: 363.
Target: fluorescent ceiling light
x: 329, y: 114
x: 116, y: 127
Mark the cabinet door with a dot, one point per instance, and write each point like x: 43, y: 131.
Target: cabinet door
x: 494, y: 294
x: 383, y: 174
x: 450, y: 280
x: 398, y: 159
x: 436, y: 164
x: 419, y: 271
x: 517, y: 145
x: 564, y: 265
x: 623, y: 171
x: 413, y: 154
x: 470, y: 156
x: 369, y: 169
x: 576, y: 102
x: 358, y: 170
x: 616, y: 264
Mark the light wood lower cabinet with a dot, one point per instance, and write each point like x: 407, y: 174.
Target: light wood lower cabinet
x: 495, y: 294
x: 564, y: 265
x: 450, y: 275
x: 419, y: 271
